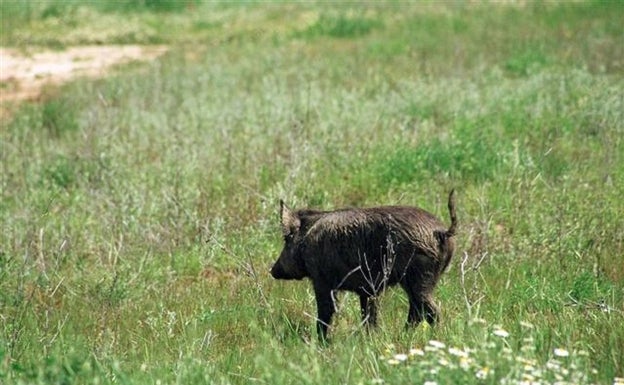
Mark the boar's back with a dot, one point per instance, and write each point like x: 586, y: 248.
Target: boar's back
x: 350, y: 247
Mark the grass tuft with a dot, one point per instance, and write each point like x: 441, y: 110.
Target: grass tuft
x: 340, y: 26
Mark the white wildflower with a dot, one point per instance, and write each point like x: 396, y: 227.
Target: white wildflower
x: 430, y: 383
x: 501, y: 333
x: 457, y: 352
x: 482, y: 373
x: 392, y: 361
x: 553, y: 365
x: 526, y: 361
x: 527, y: 348
x: 561, y: 352
x: 464, y: 362
x: 529, y: 368
x: 528, y: 377
x: 400, y: 357
x: 416, y: 352
x: 437, y: 344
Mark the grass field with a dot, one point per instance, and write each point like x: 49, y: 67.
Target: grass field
x: 140, y: 212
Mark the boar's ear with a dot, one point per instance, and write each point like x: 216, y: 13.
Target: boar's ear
x: 290, y: 221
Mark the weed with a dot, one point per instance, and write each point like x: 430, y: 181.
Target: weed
x: 58, y: 117
x: 340, y: 26
x: 524, y: 63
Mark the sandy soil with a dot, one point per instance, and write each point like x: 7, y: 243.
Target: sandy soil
x: 23, y: 75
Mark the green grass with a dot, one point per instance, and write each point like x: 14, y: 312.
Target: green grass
x: 139, y: 212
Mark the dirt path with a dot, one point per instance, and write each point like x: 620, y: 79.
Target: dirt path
x: 23, y: 75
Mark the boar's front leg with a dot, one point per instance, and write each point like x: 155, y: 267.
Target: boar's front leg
x: 368, y: 306
x: 325, y: 307
x: 422, y: 307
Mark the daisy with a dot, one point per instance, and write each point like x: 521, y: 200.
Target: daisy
x: 400, y: 357
x: 437, y: 344
x: 501, y: 333
x: 416, y: 352
x: 457, y: 352
x: 483, y: 373
x: 561, y: 352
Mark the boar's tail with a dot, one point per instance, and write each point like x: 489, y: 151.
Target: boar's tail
x: 451, y: 206
x: 446, y: 243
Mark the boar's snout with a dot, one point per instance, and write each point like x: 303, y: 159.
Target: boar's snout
x: 277, y: 271
x: 288, y: 266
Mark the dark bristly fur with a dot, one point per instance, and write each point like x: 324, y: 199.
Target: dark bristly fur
x: 365, y: 251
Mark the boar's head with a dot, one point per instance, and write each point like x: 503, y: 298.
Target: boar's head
x: 290, y: 264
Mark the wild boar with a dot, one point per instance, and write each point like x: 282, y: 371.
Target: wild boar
x: 365, y: 250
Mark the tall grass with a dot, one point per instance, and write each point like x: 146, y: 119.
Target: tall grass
x: 140, y: 219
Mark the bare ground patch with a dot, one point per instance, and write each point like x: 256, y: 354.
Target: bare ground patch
x: 23, y: 75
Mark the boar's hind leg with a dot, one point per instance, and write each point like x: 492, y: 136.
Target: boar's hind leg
x: 325, y: 307
x: 368, y: 307
x: 421, y: 306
